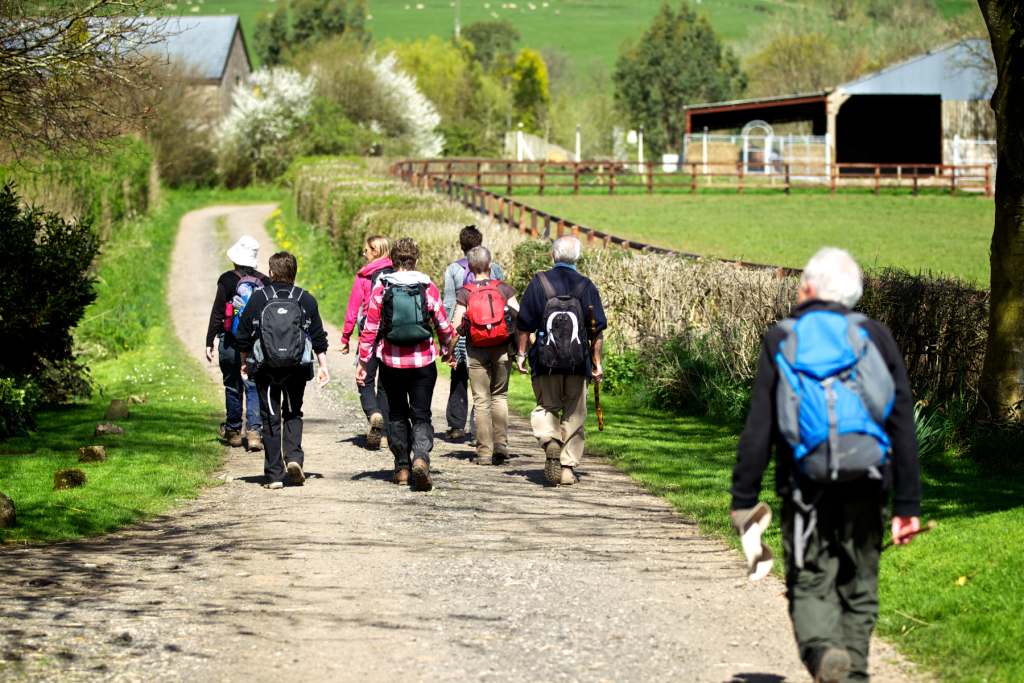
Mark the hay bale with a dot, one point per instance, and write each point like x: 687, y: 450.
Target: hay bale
x: 69, y: 478
x: 92, y: 454
x: 8, y: 515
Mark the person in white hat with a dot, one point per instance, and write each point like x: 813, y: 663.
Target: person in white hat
x: 233, y: 290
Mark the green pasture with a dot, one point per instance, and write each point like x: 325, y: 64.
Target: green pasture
x: 170, y: 445
x: 937, y: 233
x: 589, y: 32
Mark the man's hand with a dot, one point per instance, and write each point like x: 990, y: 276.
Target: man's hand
x: 597, y: 371
x: 521, y: 363
x: 361, y: 374
x: 323, y: 376
x: 344, y: 348
x: 904, y: 529
x: 209, y: 354
x: 244, y: 372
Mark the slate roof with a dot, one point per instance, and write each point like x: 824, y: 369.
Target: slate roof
x: 201, y: 42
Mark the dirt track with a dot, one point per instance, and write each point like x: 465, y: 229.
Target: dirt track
x: 489, y: 577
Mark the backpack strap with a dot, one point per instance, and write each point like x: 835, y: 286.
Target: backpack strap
x: 549, y: 291
x: 856, y: 332
x: 578, y: 290
x: 788, y: 345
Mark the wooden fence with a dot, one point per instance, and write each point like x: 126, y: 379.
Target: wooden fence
x: 651, y: 177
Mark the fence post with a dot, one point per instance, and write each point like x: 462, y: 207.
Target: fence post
x: 693, y: 178
x: 508, y: 179
x: 479, y: 166
x: 952, y: 180
x: 915, y: 180
x: 650, y: 177
x: 833, y: 173
x: 787, y: 178
x: 542, y: 165
x: 988, y: 180
x: 739, y: 170
x: 611, y: 178
x: 576, y: 178
x: 560, y: 228
x: 533, y: 222
x: 522, y: 220
x: 878, y: 178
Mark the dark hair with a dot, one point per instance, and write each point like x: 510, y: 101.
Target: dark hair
x: 470, y: 237
x: 284, y: 266
x: 405, y: 253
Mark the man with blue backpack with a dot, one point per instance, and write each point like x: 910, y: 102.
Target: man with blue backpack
x: 832, y: 398
x: 234, y: 288
x: 457, y: 275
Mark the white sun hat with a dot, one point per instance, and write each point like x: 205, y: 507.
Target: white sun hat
x: 244, y: 252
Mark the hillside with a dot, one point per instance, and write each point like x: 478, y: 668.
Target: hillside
x: 589, y: 32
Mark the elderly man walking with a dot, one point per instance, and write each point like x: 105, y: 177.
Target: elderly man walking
x: 832, y: 398
x: 563, y: 309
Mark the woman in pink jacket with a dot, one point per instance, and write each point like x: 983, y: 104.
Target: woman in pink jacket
x: 377, y: 251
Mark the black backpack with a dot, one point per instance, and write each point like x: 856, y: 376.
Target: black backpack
x: 405, y: 320
x: 562, y: 340
x: 283, y: 342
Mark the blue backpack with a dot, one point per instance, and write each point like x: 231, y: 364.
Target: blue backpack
x: 834, y: 397
x: 247, y: 284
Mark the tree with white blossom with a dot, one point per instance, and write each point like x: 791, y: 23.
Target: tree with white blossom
x: 418, y: 113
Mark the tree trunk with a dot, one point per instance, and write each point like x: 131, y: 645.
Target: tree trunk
x: 1002, y: 378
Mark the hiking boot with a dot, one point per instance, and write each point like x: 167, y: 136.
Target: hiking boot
x: 255, y: 440
x: 421, y: 476
x: 553, y: 465
x: 401, y: 477
x: 296, y: 477
x: 833, y: 666
x: 455, y: 434
x: 499, y: 458
x: 374, y: 432
x: 568, y: 477
x: 233, y: 437
x: 274, y: 485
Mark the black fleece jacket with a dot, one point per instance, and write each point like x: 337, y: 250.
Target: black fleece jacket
x: 249, y: 323
x: 227, y: 283
x: 761, y: 433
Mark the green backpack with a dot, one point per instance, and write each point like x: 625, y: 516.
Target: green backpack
x: 405, y: 320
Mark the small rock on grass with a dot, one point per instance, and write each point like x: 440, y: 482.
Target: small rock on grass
x: 8, y: 515
x: 68, y: 478
x: 138, y: 399
x: 118, y: 410
x: 108, y: 429
x: 92, y: 454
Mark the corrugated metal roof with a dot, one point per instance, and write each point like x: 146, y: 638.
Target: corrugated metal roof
x: 202, y: 43
x: 949, y: 72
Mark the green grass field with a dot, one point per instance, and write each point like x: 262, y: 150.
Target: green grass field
x: 170, y: 446
x: 944, y: 234
x: 588, y: 31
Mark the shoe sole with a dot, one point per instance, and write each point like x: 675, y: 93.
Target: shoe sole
x: 833, y: 667
x: 296, y: 476
x: 275, y: 486
x: 420, y: 478
x: 376, y: 432
x: 553, y: 471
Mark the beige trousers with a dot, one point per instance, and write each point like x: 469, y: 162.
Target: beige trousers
x: 488, y: 380
x: 560, y: 414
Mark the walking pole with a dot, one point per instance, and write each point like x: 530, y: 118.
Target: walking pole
x: 597, y: 385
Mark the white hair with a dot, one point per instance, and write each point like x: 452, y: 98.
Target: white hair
x: 835, y: 276
x: 565, y: 250
x: 479, y: 259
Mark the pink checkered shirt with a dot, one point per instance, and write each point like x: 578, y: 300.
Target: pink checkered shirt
x: 417, y: 356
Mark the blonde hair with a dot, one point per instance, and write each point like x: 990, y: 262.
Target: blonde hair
x: 378, y: 245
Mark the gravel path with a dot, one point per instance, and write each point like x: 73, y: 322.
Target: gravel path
x: 489, y: 577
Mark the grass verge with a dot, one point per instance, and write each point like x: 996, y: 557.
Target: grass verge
x: 950, y: 600
x: 169, y: 447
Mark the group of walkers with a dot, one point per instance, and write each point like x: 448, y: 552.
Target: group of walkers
x: 831, y: 400
x: 270, y: 333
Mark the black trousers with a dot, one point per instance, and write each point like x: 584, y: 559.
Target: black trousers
x: 281, y: 410
x: 372, y: 396
x: 458, y: 397
x: 410, y: 432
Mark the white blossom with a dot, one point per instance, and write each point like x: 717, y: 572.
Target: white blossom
x: 419, y: 113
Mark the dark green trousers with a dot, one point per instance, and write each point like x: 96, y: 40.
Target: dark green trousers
x: 833, y: 599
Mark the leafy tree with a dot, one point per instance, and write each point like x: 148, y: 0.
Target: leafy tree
x: 492, y: 40
x: 49, y: 284
x: 270, y: 37
x: 678, y: 61
x: 530, y: 95
x: 1002, y: 381
x: 797, y: 63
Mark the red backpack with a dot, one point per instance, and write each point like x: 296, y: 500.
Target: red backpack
x: 485, y: 311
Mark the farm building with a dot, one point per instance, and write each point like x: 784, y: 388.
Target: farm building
x: 929, y: 109
x: 213, y: 51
